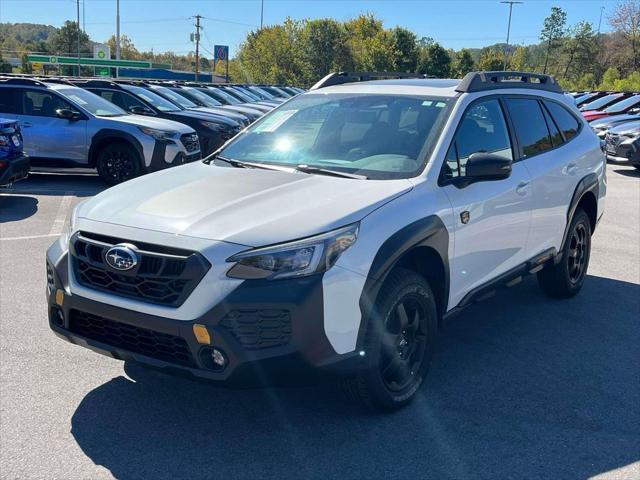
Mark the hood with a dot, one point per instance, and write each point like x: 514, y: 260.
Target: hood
x: 626, y: 128
x: 207, y: 117
x: 220, y: 112
x: 614, y: 119
x: 150, y: 122
x: 251, y: 207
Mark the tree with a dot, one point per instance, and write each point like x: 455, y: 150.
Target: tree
x: 65, y: 42
x: 128, y: 50
x: 324, y: 47
x: 434, y: 60
x: 581, y: 49
x: 520, y: 60
x: 552, y: 31
x: 404, y: 50
x: 5, y: 67
x: 625, y: 19
x: 609, y: 79
x: 463, y: 63
x: 491, y: 60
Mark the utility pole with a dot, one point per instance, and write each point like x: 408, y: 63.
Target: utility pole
x: 78, y: 24
x: 84, y: 24
x: 506, y: 48
x: 600, y: 21
x: 117, y: 35
x: 197, y: 38
x: 261, y: 13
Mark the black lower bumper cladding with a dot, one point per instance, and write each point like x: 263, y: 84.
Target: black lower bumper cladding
x: 269, y: 332
x: 12, y: 170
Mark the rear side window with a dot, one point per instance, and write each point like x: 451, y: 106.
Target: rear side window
x: 8, y: 101
x: 565, y: 120
x: 124, y: 100
x: 42, y: 103
x: 482, y: 129
x: 530, y: 125
x: 556, y: 136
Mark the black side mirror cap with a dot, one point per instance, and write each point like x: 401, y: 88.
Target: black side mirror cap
x: 482, y: 166
x: 138, y: 110
x: 67, y: 114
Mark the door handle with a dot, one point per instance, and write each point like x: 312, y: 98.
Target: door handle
x: 27, y: 124
x: 572, y: 167
x: 521, y: 189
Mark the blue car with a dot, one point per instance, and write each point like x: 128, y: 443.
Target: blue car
x: 14, y: 164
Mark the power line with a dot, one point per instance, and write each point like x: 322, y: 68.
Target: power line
x: 511, y: 3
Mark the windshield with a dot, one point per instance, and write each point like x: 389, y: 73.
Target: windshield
x: 91, y: 102
x: 152, y: 98
x: 229, y: 98
x: 600, y: 102
x: 247, y: 93
x: 623, y: 104
x: 238, y: 95
x: 379, y: 136
x: 196, y: 94
x: 261, y: 93
x: 174, y: 97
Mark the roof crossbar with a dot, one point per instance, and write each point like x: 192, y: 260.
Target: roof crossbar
x: 482, y: 81
x: 338, y: 78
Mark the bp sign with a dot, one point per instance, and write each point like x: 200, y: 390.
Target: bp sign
x: 101, y: 51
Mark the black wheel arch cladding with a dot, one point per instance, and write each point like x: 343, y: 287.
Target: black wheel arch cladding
x: 429, y: 232
x: 104, y: 136
x: 587, y: 186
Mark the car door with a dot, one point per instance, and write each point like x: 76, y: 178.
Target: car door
x: 45, y: 134
x: 544, y: 130
x: 492, y: 218
x: 124, y: 100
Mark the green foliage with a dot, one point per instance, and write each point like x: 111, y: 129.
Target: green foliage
x: 609, y: 79
x: 463, y: 63
x: 491, y: 59
x: 404, y: 52
x: 128, y: 50
x: 434, y: 60
x: 519, y: 62
x: 5, y: 67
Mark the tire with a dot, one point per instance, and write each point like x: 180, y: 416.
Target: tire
x: 397, y: 362
x: 118, y: 163
x: 565, y: 279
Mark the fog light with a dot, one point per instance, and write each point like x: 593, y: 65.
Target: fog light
x: 218, y: 357
x: 57, y: 317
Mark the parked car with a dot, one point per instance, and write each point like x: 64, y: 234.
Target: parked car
x: 14, y: 164
x: 242, y: 97
x: 67, y: 126
x: 229, y: 102
x: 336, y: 233
x: 199, y: 100
x: 213, y: 130
x: 603, y: 102
x: 623, y: 143
x: 603, y: 125
x: 628, y: 104
x: 590, y: 97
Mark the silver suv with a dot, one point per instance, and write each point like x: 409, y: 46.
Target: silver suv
x: 66, y: 126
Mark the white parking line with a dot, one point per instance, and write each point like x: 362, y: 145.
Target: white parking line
x: 29, y: 237
x: 61, y: 216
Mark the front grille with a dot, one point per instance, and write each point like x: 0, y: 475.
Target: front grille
x: 163, y: 276
x: 162, y: 346
x: 190, y: 142
x: 256, y: 329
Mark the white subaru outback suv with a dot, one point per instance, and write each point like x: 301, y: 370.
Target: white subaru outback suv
x: 337, y: 233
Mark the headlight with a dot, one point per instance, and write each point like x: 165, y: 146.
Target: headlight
x: 160, y: 135
x: 216, y: 127
x: 295, y: 259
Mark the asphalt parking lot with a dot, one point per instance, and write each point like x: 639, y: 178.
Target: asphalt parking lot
x: 521, y: 386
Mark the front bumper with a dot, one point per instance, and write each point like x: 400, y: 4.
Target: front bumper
x: 270, y: 332
x: 14, y: 170
x: 624, y: 152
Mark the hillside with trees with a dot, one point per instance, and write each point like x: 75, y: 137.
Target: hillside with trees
x: 300, y: 52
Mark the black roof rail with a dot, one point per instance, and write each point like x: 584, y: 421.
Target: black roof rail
x: 94, y: 82
x: 338, y: 78
x: 482, y: 81
x: 21, y: 81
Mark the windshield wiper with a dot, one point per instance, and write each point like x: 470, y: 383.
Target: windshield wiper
x: 240, y: 164
x: 326, y: 171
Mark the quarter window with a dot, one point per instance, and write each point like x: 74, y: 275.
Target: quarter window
x: 556, y: 136
x: 530, y: 125
x: 482, y: 129
x: 565, y: 120
x: 8, y: 103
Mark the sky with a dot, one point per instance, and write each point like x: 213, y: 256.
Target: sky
x: 166, y: 24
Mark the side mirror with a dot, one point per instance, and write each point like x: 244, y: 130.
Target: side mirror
x: 634, y: 111
x: 138, y: 110
x: 483, y: 167
x: 67, y: 114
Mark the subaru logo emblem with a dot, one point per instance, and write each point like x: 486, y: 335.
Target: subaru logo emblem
x: 121, y: 257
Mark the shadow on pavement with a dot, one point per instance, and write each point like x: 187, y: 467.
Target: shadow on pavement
x: 16, y: 207
x: 78, y: 185
x: 521, y: 387
x: 634, y: 172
